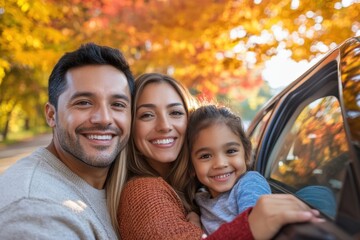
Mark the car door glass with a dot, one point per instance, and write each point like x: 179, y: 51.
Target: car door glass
x: 258, y: 130
x: 311, y: 154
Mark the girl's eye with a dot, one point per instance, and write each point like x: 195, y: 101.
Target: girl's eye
x: 205, y: 156
x: 232, y: 151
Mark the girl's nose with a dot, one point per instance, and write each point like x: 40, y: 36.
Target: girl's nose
x: 220, y: 161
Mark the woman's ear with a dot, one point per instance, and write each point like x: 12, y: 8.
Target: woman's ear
x: 50, y: 114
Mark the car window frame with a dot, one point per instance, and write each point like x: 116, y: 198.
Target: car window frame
x: 346, y: 60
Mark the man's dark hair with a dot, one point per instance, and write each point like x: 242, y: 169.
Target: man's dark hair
x: 87, y: 54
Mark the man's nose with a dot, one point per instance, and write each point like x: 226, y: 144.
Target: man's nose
x: 101, y: 115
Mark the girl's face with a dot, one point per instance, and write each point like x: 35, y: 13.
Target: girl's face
x: 218, y: 158
x: 160, y: 125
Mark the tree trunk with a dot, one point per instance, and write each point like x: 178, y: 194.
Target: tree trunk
x: 5, y: 131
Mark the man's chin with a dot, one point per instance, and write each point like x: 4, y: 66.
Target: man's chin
x: 100, y: 159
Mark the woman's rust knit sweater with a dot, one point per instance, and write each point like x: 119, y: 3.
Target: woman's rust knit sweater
x: 151, y: 209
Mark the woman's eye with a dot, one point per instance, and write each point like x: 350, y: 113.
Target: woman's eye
x: 146, y: 116
x: 177, y: 113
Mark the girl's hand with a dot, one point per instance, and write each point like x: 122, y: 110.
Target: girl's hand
x: 193, y: 218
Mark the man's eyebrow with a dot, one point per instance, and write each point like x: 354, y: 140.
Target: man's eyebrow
x: 89, y: 94
x: 81, y: 94
x: 150, y: 105
x: 121, y: 96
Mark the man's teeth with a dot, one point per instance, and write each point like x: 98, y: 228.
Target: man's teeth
x: 222, y: 176
x: 99, y: 137
x: 163, y: 141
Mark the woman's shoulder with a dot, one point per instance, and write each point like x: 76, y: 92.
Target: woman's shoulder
x: 154, y: 189
x: 146, y: 184
x: 146, y: 181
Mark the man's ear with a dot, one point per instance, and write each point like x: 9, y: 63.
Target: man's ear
x: 50, y: 114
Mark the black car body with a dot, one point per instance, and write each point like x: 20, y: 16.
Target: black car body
x: 306, y: 141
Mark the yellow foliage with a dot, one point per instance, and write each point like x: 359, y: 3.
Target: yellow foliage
x: 174, y: 36
x: 4, y: 66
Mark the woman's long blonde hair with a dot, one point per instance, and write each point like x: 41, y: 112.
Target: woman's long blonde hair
x: 178, y: 176
x: 114, y: 185
x: 130, y: 162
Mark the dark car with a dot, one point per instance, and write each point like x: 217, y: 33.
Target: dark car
x: 306, y: 141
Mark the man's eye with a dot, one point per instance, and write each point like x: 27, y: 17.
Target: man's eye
x: 83, y: 103
x: 119, y: 105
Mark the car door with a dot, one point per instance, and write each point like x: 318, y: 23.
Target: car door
x: 304, y: 145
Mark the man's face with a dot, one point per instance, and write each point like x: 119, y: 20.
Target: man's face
x: 92, y: 122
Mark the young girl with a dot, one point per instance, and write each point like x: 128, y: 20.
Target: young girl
x: 220, y: 155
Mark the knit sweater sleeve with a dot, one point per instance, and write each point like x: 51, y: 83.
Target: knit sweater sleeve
x: 237, y: 229
x: 150, y: 209
x: 41, y: 219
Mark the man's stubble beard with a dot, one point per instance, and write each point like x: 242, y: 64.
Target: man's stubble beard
x: 73, y: 147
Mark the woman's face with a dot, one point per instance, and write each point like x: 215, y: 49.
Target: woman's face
x: 160, y: 125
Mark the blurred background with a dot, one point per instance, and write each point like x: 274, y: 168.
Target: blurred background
x: 239, y: 52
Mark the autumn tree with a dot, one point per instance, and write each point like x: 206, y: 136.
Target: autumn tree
x: 217, y: 48
x: 212, y: 45
x: 33, y: 35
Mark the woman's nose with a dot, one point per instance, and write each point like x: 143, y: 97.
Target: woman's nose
x: 163, y: 124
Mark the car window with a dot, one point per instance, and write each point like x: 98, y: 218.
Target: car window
x: 258, y: 131
x: 311, y: 154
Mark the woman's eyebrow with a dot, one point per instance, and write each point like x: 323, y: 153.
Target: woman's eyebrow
x: 151, y: 105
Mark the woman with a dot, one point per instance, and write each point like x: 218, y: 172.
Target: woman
x: 155, y: 201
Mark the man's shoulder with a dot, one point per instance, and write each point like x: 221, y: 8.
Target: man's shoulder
x: 31, y: 177
x: 39, y: 218
x: 15, y: 182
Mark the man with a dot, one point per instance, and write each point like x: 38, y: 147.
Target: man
x: 58, y: 191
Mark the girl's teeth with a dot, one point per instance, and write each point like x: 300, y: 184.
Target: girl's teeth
x: 222, y: 176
